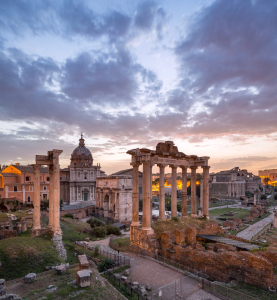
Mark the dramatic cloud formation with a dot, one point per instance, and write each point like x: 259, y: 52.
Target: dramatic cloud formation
x: 104, y: 80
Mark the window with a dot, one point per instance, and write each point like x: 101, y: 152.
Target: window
x: 48, y: 179
x: 27, y: 178
x: 140, y: 190
x: 45, y: 188
x: 85, y: 176
x: 78, y: 174
x: 15, y: 188
x: 28, y: 199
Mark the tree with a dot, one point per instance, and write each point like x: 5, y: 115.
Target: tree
x: 263, y: 197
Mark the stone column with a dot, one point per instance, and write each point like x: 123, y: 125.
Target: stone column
x: 36, y: 200
x: 193, y: 191
x: 275, y: 219
x: 206, y: 192
x: 101, y: 209
x: 135, y: 205
x: 233, y: 190
x: 51, y: 202
x: 93, y: 192
x: 229, y: 189
x: 184, y: 193
x: 161, y: 194
x: 173, y: 191
x: 146, y: 221
x: 23, y: 192
x: 56, y: 199
x: 151, y: 203
x: 201, y: 193
x: 237, y: 189
x: 255, y: 199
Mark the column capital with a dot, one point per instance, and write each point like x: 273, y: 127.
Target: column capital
x: 36, y: 167
x: 183, y: 167
x: 193, y: 167
x: 161, y: 165
x: 173, y: 166
x: 135, y: 164
x: 205, y: 167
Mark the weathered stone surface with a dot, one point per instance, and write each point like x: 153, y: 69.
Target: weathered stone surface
x: 83, y: 278
x: 270, y: 255
x: 148, y: 287
x: 61, y: 270
x: 124, y: 278
x: 51, y: 289
x: 199, y: 247
x: 30, y: 277
x: 10, y: 297
x: 2, y: 282
x: 83, y: 262
x: 127, y: 272
x: 2, y: 290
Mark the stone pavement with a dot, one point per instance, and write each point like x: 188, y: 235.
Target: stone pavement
x: 252, y: 230
x: 146, y: 271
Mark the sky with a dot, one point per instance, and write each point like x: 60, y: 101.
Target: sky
x: 130, y: 74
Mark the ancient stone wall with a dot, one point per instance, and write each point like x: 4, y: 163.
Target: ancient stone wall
x: 5, y: 234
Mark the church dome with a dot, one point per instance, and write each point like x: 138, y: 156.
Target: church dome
x: 81, y: 156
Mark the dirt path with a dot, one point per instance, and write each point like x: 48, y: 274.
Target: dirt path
x: 146, y: 271
x: 252, y: 230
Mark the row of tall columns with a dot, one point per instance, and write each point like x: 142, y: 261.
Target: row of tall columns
x: 147, y: 193
x: 54, y: 198
x: 236, y: 189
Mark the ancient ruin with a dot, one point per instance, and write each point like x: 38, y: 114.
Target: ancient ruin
x: 52, y: 161
x: 114, y: 198
x: 166, y: 154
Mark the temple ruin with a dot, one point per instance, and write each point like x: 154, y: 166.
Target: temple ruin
x: 166, y: 154
x: 52, y: 161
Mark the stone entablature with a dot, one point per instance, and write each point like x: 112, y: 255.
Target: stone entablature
x: 114, y: 197
x: 166, y: 154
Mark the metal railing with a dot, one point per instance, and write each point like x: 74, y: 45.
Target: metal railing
x: 123, y: 287
x: 217, y: 289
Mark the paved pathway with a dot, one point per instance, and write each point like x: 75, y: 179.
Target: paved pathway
x: 146, y: 271
x: 252, y: 230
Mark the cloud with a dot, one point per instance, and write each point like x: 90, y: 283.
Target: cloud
x: 76, y: 18
x: 249, y: 159
x: 228, y: 63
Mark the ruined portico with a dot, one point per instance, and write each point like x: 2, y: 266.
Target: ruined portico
x: 52, y: 161
x: 166, y: 154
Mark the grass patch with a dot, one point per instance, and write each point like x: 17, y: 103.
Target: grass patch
x: 254, y: 291
x: 23, y: 255
x: 240, y: 213
x: 120, y: 244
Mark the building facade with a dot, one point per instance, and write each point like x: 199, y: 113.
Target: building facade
x: 268, y: 176
x: 78, y: 181
x: 17, y: 182
x: 233, y: 183
x: 114, y: 197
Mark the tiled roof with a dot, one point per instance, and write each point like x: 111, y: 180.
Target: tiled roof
x: 29, y: 169
x: 123, y: 171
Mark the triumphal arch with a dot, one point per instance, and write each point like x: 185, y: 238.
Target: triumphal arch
x: 166, y: 154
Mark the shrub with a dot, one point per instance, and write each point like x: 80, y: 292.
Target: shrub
x: 96, y: 250
x: 176, y: 219
x: 113, y: 230
x: 68, y: 216
x: 105, y: 264
x: 99, y: 231
x: 94, y: 223
x: 263, y: 197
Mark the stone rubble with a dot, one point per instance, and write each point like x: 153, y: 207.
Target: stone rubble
x: 30, y: 277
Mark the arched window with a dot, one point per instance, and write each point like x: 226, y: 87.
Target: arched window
x: 85, y: 177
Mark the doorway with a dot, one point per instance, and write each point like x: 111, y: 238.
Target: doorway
x: 85, y: 196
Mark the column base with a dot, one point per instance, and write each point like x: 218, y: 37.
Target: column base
x: 193, y: 215
x: 184, y: 216
x: 207, y: 217
x: 148, y: 229
x: 135, y: 224
x: 38, y: 232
